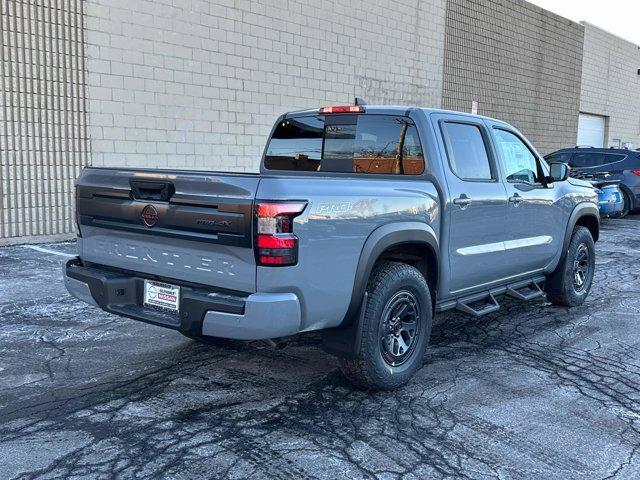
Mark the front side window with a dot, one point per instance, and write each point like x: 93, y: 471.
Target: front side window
x: 564, y: 157
x: 374, y: 144
x: 468, y: 154
x: 520, y: 164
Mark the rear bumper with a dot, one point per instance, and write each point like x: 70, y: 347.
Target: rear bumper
x: 610, y: 204
x: 202, y: 311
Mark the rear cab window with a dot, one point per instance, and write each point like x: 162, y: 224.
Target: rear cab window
x: 348, y: 143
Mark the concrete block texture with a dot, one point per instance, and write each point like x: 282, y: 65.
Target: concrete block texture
x: 611, y: 84
x: 43, y: 135
x: 522, y: 64
x: 207, y: 79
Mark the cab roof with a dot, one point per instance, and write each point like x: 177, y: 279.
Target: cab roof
x: 395, y: 110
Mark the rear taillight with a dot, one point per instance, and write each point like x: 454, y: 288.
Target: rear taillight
x: 76, y: 220
x: 276, y: 245
x: 636, y: 172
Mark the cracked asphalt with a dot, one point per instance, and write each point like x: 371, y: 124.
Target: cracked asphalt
x: 532, y: 391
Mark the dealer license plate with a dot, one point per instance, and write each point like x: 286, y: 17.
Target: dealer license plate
x: 162, y: 295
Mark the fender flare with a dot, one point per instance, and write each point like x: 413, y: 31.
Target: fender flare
x: 343, y: 340
x: 379, y: 240
x: 582, y: 210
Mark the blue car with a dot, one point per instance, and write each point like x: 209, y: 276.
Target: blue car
x: 610, y: 199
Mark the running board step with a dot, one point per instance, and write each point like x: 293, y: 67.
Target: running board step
x: 525, y: 292
x: 478, y: 306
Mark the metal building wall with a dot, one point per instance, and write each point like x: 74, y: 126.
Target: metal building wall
x: 522, y: 64
x: 43, y: 135
x: 611, y: 84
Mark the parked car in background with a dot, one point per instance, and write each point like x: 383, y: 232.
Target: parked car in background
x: 610, y: 201
x: 610, y: 196
x: 621, y: 164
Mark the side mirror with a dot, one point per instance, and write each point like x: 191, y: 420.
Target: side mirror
x: 559, y: 172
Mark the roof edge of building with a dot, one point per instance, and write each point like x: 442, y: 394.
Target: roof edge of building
x: 586, y: 24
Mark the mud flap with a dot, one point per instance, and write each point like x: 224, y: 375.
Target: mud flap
x: 344, y: 341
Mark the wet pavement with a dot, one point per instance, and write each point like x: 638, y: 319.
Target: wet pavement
x: 532, y: 391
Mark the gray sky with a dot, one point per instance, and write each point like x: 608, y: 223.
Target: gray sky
x: 620, y: 17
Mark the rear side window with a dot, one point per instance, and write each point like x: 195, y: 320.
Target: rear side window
x: 375, y: 144
x: 467, y: 151
x: 595, y: 159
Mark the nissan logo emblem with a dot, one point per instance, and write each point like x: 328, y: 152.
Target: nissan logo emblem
x: 149, y: 216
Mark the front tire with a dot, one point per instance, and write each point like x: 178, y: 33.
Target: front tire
x: 570, y: 283
x: 396, y: 326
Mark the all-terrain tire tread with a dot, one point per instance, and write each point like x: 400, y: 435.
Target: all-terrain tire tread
x: 359, y: 370
x: 559, y: 291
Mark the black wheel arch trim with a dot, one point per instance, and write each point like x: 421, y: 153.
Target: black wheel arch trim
x: 381, y: 239
x: 582, y: 210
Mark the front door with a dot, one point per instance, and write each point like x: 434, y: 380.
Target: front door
x: 476, y: 207
x: 535, y: 220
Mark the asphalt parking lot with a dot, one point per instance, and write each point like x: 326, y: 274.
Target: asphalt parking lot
x: 533, y: 391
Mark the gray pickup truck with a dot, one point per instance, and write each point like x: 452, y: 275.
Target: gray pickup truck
x: 363, y: 222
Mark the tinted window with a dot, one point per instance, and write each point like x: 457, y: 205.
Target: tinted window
x: 468, y: 154
x: 379, y: 144
x: 564, y: 157
x: 594, y: 159
x: 520, y: 164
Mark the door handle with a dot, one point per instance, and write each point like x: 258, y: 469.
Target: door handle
x: 515, y: 199
x: 462, y: 201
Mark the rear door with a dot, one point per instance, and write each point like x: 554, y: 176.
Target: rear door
x: 187, y: 226
x: 476, y: 206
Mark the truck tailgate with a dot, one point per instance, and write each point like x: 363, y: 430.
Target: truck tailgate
x: 188, y: 226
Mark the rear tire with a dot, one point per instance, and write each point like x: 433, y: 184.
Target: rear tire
x: 570, y: 283
x: 627, y: 204
x: 396, y: 326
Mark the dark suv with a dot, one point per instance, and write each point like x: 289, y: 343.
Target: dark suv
x: 621, y: 164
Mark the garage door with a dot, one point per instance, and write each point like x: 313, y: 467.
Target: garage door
x: 591, y: 130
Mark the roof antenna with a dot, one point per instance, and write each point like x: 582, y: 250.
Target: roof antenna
x: 359, y: 101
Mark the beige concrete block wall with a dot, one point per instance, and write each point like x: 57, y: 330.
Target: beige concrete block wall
x: 198, y: 84
x: 43, y: 139
x: 520, y: 62
x: 611, y: 83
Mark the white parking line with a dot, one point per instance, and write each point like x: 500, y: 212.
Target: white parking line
x: 46, y: 250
